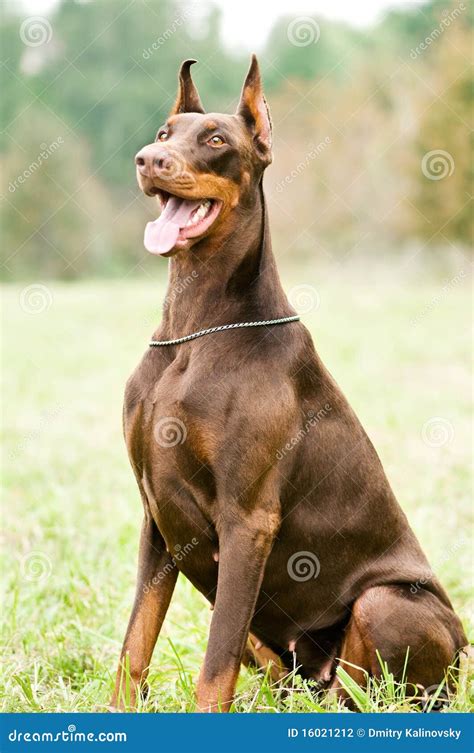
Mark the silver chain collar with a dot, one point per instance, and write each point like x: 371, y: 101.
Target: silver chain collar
x: 221, y: 328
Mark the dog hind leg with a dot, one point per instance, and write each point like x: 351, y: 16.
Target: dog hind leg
x: 391, y: 620
x: 258, y: 655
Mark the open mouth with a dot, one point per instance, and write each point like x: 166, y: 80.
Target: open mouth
x: 179, y: 220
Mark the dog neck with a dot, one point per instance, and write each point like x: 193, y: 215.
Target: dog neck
x: 226, y: 279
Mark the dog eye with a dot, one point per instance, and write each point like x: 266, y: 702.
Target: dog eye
x: 162, y: 136
x: 216, y: 141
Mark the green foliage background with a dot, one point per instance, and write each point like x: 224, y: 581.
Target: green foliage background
x: 100, y: 87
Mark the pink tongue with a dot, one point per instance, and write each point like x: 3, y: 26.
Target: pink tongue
x: 162, y: 234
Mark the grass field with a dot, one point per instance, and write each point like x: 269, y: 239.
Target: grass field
x: 397, y: 344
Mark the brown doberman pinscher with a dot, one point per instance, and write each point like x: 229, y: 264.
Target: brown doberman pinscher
x: 250, y: 462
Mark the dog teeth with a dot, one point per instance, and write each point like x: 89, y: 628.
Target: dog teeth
x: 199, y: 213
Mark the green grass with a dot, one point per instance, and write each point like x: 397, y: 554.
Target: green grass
x: 71, y: 497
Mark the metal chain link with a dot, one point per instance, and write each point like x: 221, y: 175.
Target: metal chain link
x: 221, y: 328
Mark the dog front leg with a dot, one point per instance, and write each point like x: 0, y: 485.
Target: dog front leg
x: 156, y: 580
x: 243, y: 552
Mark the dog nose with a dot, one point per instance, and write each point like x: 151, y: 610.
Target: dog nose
x: 144, y: 161
x: 150, y: 161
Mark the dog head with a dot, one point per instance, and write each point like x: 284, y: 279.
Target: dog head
x: 202, y: 166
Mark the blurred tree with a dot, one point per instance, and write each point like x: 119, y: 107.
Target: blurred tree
x: 103, y: 78
x: 53, y: 207
x: 441, y: 165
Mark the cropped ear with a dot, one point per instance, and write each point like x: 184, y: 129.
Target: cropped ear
x: 188, y: 98
x: 254, y: 110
